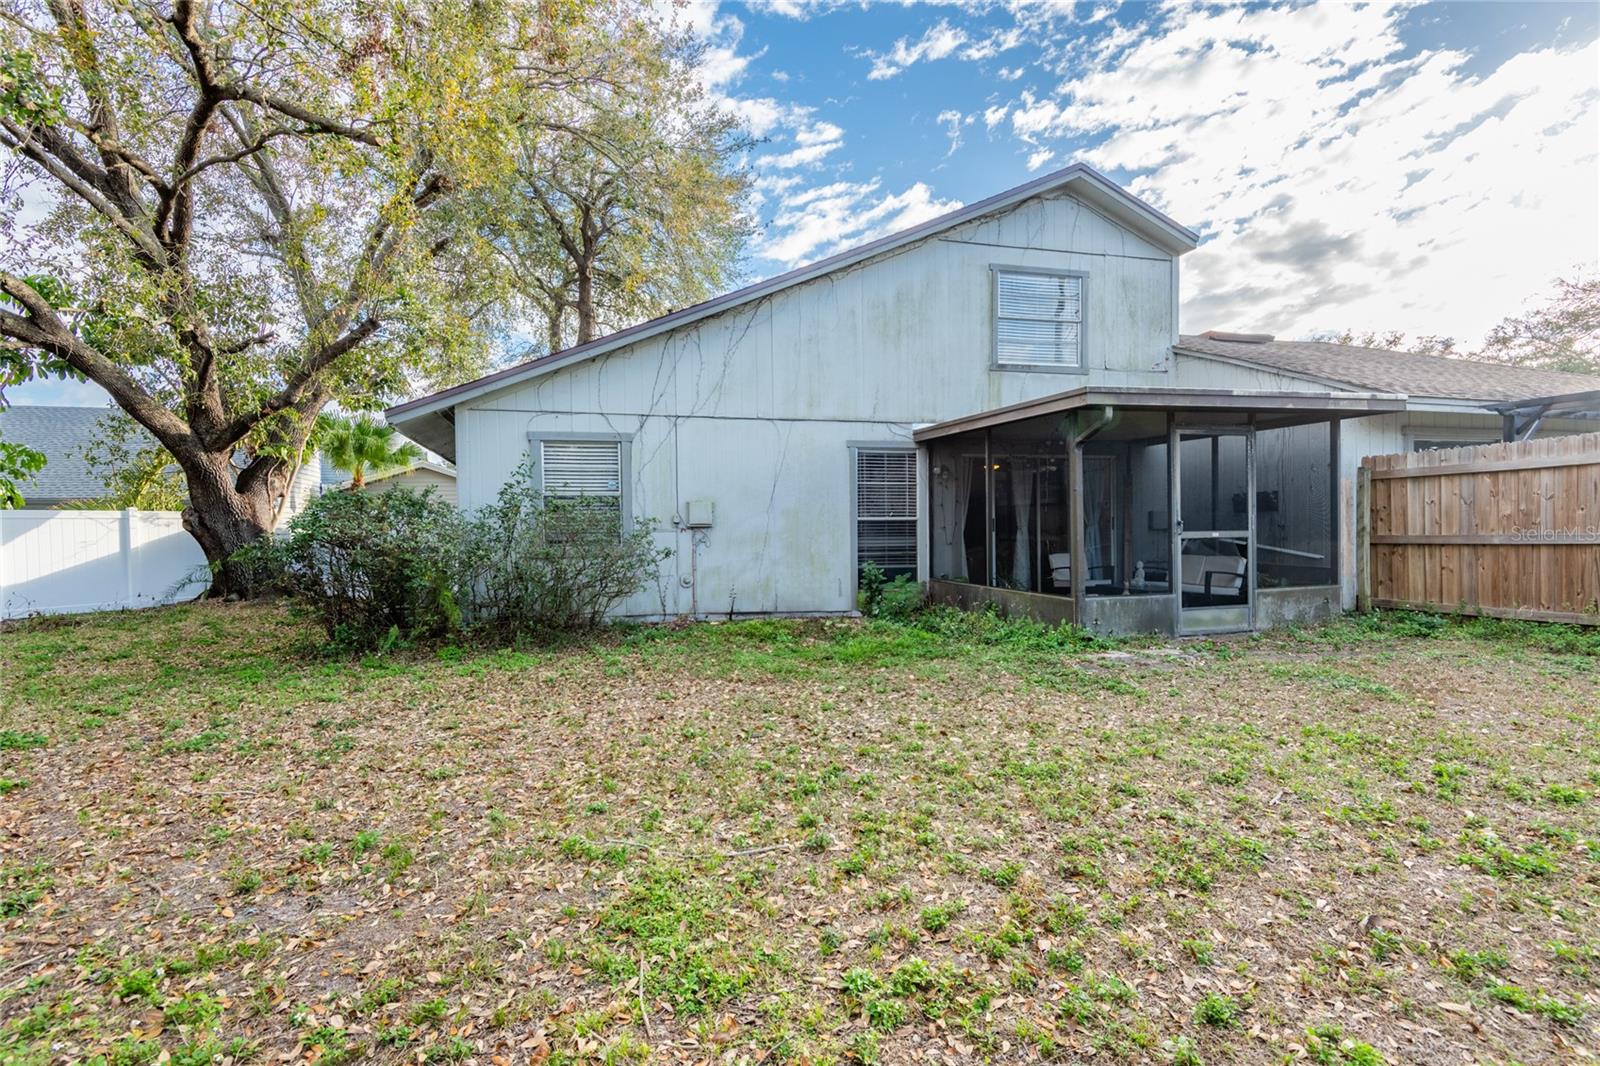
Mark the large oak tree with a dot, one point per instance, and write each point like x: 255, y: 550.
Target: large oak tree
x: 254, y: 209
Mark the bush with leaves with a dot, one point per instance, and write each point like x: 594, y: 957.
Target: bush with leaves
x: 373, y: 567
x: 543, y: 563
x: 880, y: 597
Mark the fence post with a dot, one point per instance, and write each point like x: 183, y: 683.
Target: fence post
x: 129, y: 516
x: 1364, y: 538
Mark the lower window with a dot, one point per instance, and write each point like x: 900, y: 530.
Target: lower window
x: 581, y: 481
x: 886, y: 510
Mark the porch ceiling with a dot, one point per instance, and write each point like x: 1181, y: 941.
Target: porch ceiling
x: 1286, y: 407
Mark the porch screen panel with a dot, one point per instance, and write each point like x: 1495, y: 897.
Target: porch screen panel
x: 1296, y: 512
x: 1038, y: 319
x: 886, y: 510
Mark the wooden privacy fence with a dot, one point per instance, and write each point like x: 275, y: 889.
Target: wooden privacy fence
x: 1509, y: 530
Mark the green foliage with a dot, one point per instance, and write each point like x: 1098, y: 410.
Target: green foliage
x: 1216, y: 1009
x: 936, y: 918
x: 880, y: 597
x: 547, y: 563
x: 1505, y: 633
x: 372, y: 567
x: 136, y: 469
x: 307, y: 236
x: 364, y: 446
x: 17, y: 464
x: 672, y: 918
x: 1326, y: 1045
x: 626, y: 212
x: 14, y: 740
x: 1563, y: 334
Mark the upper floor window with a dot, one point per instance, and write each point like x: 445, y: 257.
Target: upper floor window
x: 1038, y: 320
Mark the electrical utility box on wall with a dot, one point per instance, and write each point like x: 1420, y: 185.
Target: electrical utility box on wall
x: 698, y: 514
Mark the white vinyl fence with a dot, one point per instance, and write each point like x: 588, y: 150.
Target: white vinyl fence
x: 55, y: 562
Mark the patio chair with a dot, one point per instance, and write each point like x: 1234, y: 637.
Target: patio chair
x: 1097, y: 577
x: 1221, y: 576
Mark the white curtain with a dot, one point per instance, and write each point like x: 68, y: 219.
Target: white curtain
x: 951, y: 502
x: 1097, y: 498
x: 1022, y: 505
x: 958, y: 516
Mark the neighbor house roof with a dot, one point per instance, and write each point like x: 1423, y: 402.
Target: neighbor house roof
x: 1093, y: 187
x: 1382, y: 370
x: 443, y: 469
x: 63, y: 435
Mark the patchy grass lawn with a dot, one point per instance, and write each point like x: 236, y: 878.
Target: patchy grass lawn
x: 799, y: 841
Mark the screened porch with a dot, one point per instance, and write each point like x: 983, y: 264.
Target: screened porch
x: 1191, y: 511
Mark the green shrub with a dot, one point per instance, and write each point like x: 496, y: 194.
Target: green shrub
x: 880, y: 597
x: 375, y: 569
x: 900, y: 599
x: 372, y: 567
x: 542, y: 563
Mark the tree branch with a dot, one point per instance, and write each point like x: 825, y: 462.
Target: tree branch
x: 43, y: 329
x: 24, y: 142
x: 294, y: 389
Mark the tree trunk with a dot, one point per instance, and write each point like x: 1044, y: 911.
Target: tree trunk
x: 585, y: 301
x: 223, y: 518
x: 557, y: 311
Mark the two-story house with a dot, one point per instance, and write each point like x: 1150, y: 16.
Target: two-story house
x: 998, y: 402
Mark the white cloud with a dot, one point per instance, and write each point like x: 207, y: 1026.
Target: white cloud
x: 1039, y: 158
x: 814, y: 141
x: 721, y: 64
x: 940, y: 40
x: 993, y: 116
x: 799, y: 138
x: 840, y: 215
x: 952, y: 121
x: 992, y: 45
x: 1033, y: 117
x: 1340, y: 179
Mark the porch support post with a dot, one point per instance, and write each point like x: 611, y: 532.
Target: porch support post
x: 1175, y: 522
x: 990, y: 578
x: 1082, y: 430
x: 1075, y: 537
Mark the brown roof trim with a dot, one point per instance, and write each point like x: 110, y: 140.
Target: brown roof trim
x: 1334, y: 404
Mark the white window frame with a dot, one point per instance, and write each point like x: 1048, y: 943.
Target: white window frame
x: 995, y: 363
x: 915, y: 517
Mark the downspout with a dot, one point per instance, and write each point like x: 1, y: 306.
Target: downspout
x: 1075, y: 538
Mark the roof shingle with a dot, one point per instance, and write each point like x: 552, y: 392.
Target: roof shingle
x: 1382, y: 370
x: 64, y: 435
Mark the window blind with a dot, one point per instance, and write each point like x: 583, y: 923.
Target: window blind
x: 581, y: 467
x: 886, y: 510
x: 1038, y: 319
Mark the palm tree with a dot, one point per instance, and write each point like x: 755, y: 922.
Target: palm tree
x: 361, y: 446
